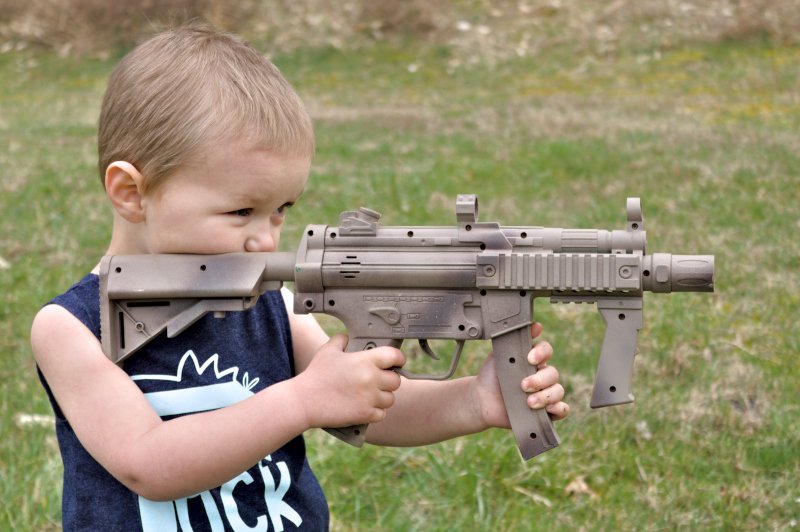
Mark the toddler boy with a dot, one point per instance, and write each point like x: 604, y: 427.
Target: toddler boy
x: 203, y: 148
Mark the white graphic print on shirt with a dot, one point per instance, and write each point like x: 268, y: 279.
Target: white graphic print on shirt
x: 227, y: 390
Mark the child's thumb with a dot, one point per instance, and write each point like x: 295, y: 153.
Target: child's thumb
x: 339, y: 341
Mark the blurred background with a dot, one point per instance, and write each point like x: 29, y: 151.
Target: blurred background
x: 481, y: 30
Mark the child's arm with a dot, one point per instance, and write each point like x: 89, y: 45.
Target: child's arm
x: 432, y: 411
x: 428, y: 411
x: 164, y: 460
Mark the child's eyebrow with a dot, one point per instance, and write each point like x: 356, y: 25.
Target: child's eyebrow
x: 248, y: 197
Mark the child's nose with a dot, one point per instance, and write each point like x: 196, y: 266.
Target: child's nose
x: 261, y: 242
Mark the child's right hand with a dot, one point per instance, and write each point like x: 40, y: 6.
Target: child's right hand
x: 340, y: 389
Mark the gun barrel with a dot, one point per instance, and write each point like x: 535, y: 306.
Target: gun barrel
x: 664, y: 272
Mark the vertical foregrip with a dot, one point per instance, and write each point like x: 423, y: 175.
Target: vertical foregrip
x: 612, y: 382
x: 533, y: 429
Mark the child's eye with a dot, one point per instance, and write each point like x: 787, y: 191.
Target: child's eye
x: 283, y: 208
x: 242, y: 212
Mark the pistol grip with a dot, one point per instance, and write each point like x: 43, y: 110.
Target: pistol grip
x: 356, y: 435
x: 612, y: 382
x: 533, y: 429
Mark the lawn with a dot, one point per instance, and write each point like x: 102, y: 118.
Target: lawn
x: 706, y: 134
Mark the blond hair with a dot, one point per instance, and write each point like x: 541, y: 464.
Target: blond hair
x: 184, y: 88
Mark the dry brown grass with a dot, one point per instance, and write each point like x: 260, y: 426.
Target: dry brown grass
x: 475, y: 31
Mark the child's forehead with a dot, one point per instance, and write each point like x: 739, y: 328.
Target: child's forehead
x: 244, y: 155
x: 240, y: 171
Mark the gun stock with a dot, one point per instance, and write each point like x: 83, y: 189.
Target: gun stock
x: 142, y: 296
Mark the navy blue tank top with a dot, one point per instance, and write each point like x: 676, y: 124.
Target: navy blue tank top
x: 214, y: 363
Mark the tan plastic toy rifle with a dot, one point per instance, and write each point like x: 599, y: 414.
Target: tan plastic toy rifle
x: 475, y: 280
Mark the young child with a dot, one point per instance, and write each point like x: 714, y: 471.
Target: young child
x: 203, y: 148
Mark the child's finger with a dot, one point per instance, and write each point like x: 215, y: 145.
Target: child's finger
x: 558, y: 410
x: 544, y: 378
x: 548, y: 396
x: 540, y: 354
x: 387, y: 357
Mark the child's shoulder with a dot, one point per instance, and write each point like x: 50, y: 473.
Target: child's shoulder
x: 82, y: 300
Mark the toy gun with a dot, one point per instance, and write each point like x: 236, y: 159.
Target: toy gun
x: 475, y: 280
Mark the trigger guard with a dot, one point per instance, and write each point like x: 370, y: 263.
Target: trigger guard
x: 434, y: 376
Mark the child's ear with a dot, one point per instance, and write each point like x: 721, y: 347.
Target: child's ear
x: 123, y: 187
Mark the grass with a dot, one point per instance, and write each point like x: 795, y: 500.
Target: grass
x: 706, y: 134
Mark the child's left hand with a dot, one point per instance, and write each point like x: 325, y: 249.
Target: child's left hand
x: 543, y: 386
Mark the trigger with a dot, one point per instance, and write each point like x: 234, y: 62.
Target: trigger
x: 435, y: 377
x: 423, y: 343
